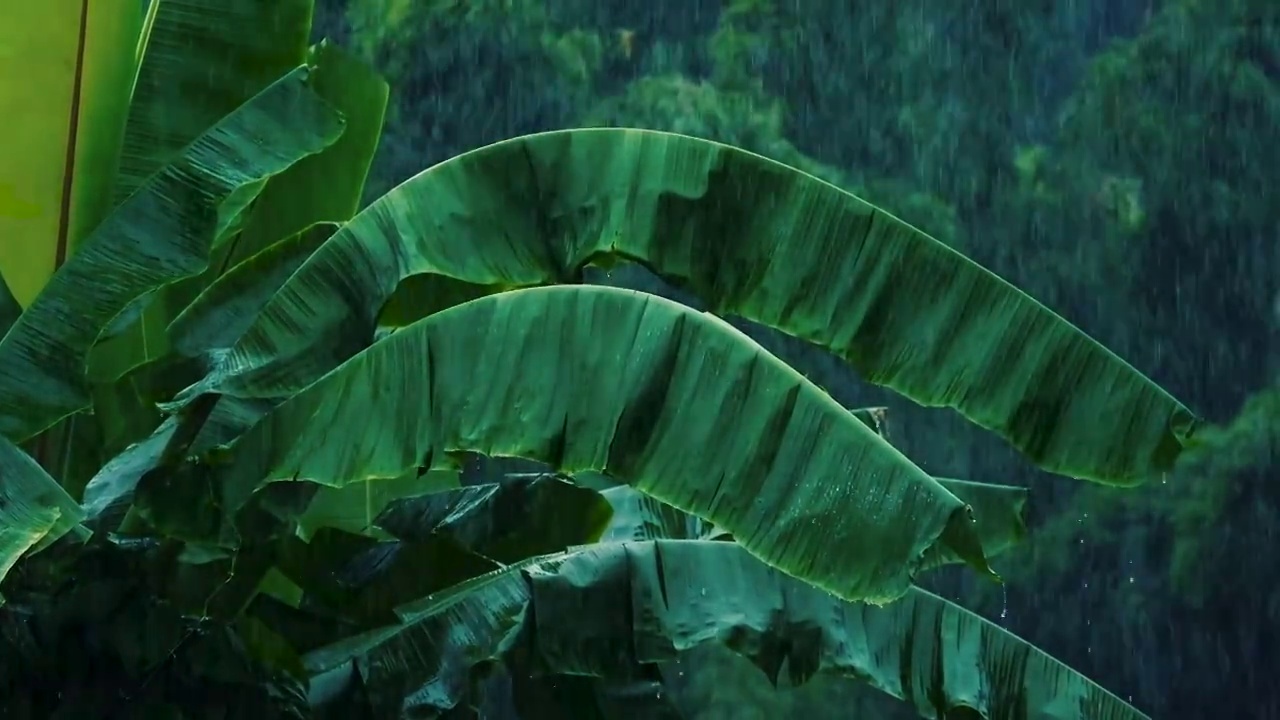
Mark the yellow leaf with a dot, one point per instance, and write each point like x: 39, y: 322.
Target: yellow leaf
x: 68, y: 68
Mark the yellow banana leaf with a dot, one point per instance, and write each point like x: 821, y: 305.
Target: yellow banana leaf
x: 67, y: 69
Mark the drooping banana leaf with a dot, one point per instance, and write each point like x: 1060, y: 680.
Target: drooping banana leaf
x: 999, y: 510
x: 424, y: 665
x: 464, y: 513
x: 34, y: 509
x: 999, y: 513
x: 68, y: 69
x: 677, y: 403
x: 922, y: 649
x: 42, y: 358
x: 752, y: 238
x: 609, y: 608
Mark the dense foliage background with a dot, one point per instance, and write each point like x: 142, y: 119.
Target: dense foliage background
x: 1118, y: 159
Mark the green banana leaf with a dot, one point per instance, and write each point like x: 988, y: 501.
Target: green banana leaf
x: 438, y: 540
x: 202, y: 59
x: 603, y: 610
x: 505, y: 521
x: 42, y: 358
x: 110, y: 491
x: 750, y: 237
x: 923, y: 649
x: 34, y: 509
x: 999, y: 512
x: 69, y: 67
x: 324, y: 187
x: 422, y: 667
x: 225, y: 302
x: 675, y: 402
x: 355, y: 507
x: 509, y: 521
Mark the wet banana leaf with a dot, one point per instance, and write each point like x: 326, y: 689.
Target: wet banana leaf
x: 42, y: 358
x: 34, y: 509
x: 323, y: 187
x: 68, y: 68
x: 607, y: 609
x: 422, y: 667
x: 931, y: 653
x: 229, y: 304
x: 750, y: 237
x: 675, y: 402
x: 355, y: 507
x: 999, y: 513
x: 202, y: 60
x: 109, y: 492
x: 508, y: 522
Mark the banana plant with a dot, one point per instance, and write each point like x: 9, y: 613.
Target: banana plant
x: 289, y: 538
x: 141, y: 94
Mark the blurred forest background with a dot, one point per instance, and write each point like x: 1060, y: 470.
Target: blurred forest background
x: 1117, y: 159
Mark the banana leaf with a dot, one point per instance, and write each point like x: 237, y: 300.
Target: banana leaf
x: 607, y: 609
x: 509, y: 521
x: 355, y: 507
x: 1000, y: 518
x: 324, y: 187
x: 34, y: 509
x: 42, y: 358
x: 109, y: 492
x: 924, y: 650
x: 237, y: 296
x: 68, y: 68
x: 202, y: 59
x: 999, y: 511
x: 750, y: 237
x: 675, y: 402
